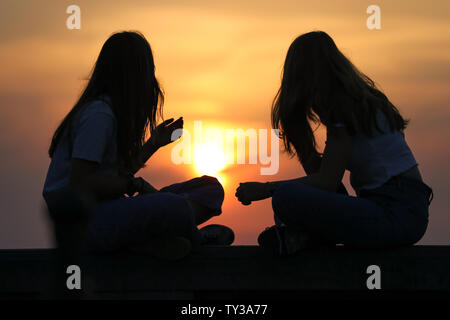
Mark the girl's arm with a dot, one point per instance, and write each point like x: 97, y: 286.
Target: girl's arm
x: 334, y: 161
x: 93, y: 133
x: 312, y: 165
x: 329, y: 176
x: 85, y: 177
x: 161, y: 136
x: 148, y: 149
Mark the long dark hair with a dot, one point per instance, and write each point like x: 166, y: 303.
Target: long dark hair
x: 320, y: 85
x: 124, y: 72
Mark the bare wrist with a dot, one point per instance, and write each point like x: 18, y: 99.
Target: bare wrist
x: 151, y: 145
x: 270, y: 188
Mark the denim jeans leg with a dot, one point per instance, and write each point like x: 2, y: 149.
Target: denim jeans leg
x: 338, y: 218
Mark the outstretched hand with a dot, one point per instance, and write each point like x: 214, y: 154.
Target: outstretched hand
x: 252, y: 191
x: 162, y: 134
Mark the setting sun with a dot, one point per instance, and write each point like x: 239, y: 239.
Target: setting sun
x: 209, y: 158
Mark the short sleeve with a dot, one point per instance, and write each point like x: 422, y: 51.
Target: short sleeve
x: 94, y: 133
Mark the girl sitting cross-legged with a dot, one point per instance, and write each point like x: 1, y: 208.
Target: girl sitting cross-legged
x: 365, y: 135
x: 100, y: 145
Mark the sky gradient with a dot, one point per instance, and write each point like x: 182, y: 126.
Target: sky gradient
x: 219, y: 62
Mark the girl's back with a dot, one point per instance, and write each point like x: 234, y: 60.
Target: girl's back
x: 91, y: 137
x: 375, y: 159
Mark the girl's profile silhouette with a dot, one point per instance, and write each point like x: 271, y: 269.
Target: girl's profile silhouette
x: 365, y: 134
x: 101, y: 144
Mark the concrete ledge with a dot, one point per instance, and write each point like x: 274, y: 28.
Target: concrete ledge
x: 225, y: 272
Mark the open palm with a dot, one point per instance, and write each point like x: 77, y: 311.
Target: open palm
x: 162, y: 134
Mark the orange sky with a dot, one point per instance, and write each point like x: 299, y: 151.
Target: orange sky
x: 219, y: 62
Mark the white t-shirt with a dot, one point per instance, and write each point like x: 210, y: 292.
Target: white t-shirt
x: 92, y: 138
x: 374, y: 160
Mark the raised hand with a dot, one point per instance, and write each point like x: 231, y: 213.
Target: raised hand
x: 162, y: 134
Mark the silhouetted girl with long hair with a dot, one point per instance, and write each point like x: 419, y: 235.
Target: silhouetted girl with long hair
x: 364, y: 135
x: 101, y: 144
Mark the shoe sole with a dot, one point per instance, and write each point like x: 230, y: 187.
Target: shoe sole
x: 228, y: 239
x: 282, y: 241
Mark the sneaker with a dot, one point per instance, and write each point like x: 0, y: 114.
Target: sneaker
x: 216, y: 235
x: 171, y: 249
x: 282, y: 241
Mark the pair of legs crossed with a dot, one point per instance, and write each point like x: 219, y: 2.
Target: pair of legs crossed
x: 394, y: 214
x: 175, y: 211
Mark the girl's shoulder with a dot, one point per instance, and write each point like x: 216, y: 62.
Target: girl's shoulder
x: 97, y: 106
x: 96, y: 112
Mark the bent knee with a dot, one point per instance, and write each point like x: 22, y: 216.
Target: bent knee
x: 286, y: 193
x: 172, y: 207
x: 215, y: 187
x: 174, y: 201
x: 209, y: 194
x: 289, y: 201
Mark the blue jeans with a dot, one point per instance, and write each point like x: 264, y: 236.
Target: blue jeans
x: 394, y: 214
x: 128, y: 221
